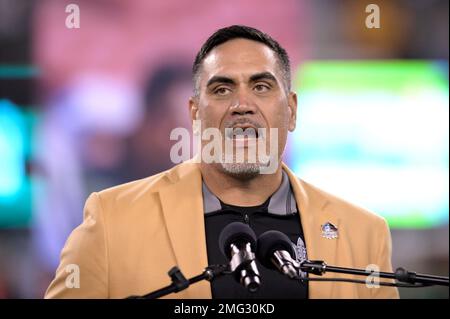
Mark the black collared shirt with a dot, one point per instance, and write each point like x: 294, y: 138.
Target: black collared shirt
x: 279, y: 212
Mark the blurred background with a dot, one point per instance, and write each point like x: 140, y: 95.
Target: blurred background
x: 82, y: 109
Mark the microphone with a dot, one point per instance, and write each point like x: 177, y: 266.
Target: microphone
x: 275, y: 251
x: 237, y: 242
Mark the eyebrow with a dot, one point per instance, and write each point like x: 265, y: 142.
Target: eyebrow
x: 254, y: 78
x: 219, y: 79
x: 263, y: 76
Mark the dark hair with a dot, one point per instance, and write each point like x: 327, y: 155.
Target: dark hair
x: 235, y: 32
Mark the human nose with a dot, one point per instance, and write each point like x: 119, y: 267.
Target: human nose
x: 243, y: 104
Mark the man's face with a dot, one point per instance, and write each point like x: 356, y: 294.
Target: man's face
x: 241, y: 85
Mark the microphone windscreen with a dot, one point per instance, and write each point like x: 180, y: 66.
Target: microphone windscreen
x: 236, y: 233
x: 268, y: 243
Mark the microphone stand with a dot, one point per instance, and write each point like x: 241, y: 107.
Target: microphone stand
x: 179, y: 282
x: 319, y: 267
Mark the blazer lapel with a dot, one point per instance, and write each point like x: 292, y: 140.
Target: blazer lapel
x: 315, y: 212
x: 182, y: 205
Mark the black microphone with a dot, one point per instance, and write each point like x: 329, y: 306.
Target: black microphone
x: 275, y: 251
x: 237, y: 242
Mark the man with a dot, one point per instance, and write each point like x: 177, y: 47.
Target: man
x: 133, y: 234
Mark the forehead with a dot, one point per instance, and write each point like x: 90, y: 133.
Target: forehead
x: 240, y: 57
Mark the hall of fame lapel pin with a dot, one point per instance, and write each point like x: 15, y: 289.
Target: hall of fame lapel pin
x: 329, y: 231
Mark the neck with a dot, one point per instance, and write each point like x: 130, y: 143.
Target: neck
x: 240, y: 192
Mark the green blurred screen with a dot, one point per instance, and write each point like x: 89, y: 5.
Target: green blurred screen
x: 376, y: 133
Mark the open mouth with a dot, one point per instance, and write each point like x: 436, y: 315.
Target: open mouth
x: 242, y: 133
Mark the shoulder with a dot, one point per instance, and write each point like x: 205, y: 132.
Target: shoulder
x: 146, y: 188
x: 342, y: 209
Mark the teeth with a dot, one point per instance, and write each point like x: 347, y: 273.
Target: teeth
x: 240, y: 133
x: 249, y: 133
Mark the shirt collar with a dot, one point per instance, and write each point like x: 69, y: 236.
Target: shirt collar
x: 282, y: 202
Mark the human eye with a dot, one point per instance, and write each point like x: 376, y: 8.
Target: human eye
x: 261, y: 87
x: 221, y: 91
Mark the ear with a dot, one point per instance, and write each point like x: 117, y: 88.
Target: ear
x: 292, y: 101
x: 193, y: 108
x: 194, y: 113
